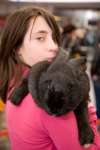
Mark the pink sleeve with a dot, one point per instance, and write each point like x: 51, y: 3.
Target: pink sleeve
x: 63, y: 131
x: 93, y: 120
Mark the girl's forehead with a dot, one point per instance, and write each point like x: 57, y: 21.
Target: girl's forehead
x: 39, y: 24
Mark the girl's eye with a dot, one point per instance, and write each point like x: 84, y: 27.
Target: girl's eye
x: 40, y: 38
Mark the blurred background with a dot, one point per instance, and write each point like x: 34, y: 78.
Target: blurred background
x: 79, y: 23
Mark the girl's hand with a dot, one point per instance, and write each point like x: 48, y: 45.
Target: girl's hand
x: 86, y: 145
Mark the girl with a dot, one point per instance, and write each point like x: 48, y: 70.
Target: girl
x: 32, y: 35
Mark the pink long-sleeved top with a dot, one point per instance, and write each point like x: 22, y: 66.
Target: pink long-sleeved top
x: 31, y: 128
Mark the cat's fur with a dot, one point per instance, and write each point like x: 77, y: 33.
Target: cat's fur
x: 59, y: 88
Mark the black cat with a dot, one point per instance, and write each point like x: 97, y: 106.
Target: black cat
x: 59, y: 88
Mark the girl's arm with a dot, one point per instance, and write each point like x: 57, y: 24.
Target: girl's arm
x: 93, y: 124
x: 63, y: 131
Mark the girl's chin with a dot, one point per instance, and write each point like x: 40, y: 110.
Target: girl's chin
x: 51, y: 59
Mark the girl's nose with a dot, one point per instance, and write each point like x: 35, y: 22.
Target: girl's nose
x: 53, y: 46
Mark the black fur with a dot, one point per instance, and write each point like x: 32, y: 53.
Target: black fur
x: 61, y: 87
x: 20, y: 92
x: 64, y: 87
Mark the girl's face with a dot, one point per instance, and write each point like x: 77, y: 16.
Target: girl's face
x: 38, y: 44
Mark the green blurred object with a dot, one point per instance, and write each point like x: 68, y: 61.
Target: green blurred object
x: 4, y: 141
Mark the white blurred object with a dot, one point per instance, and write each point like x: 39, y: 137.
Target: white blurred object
x: 58, y: 1
x: 92, y: 92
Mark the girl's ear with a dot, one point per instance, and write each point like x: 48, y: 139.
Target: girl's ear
x: 34, y: 76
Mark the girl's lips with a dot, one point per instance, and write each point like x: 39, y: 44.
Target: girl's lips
x: 53, y: 54
x: 53, y: 57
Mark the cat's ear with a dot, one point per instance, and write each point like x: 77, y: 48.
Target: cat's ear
x: 79, y: 62
x: 61, y: 59
x: 34, y: 77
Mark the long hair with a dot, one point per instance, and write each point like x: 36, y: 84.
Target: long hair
x: 12, y: 38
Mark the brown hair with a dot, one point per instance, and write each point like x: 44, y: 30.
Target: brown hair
x: 15, y: 29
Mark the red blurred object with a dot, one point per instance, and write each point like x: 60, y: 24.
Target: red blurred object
x: 98, y: 121
x: 2, y: 21
x: 3, y: 132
